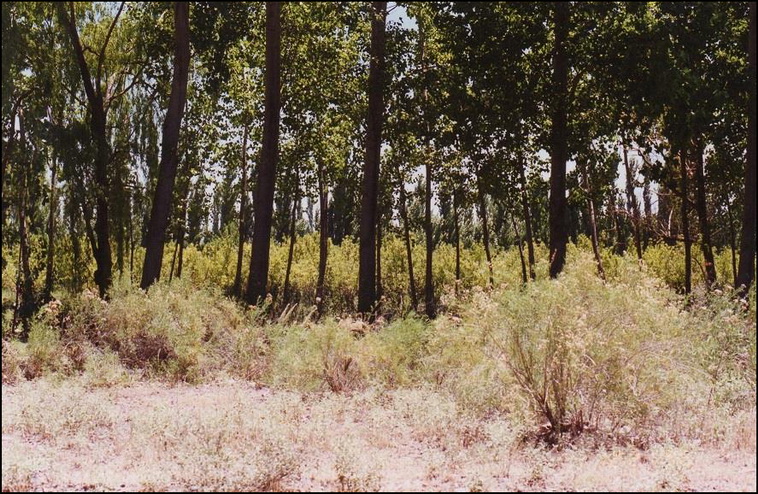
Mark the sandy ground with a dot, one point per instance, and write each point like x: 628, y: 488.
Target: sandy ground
x: 238, y: 436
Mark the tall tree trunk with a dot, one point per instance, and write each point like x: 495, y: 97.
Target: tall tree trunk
x: 237, y: 290
x: 101, y: 248
x: 746, y: 270
x: 732, y: 240
x: 527, y: 221
x: 367, y: 268
x: 408, y: 248
x: 7, y: 153
x: 182, y: 234
x: 685, y: 220
x: 593, y: 225
x: 457, y: 241
x: 49, y: 270
x: 485, y: 231
x: 647, y: 202
x: 26, y: 305
x: 631, y: 200
x: 263, y: 200
x: 702, y: 212
x: 429, y: 301
x: 524, y: 278
x: 164, y: 189
x: 291, y: 253
x: 379, y: 287
x: 76, y: 249
x: 131, y: 239
x: 173, y: 262
x: 558, y: 143
x: 323, y: 240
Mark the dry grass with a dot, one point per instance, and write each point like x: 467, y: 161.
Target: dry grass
x: 182, y: 389
x: 64, y: 435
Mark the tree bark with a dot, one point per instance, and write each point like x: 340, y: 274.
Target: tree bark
x: 524, y: 278
x: 732, y: 241
x: 457, y: 242
x: 702, y: 212
x: 367, y: 268
x: 101, y: 247
x: 323, y: 240
x: 685, y: 221
x: 746, y: 270
x: 291, y: 253
x: 182, y: 235
x: 50, y: 268
x: 527, y: 222
x: 237, y: 290
x: 593, y: 226
x: 26, y: 305
x: 164, y: 189
x: 558, y: 143
x: 631, y: 199
x: 485, y: 232
x: 648, y: 212
x: 429, y: 301
x: 263, y: 200
x: 379, y: 287
x: 408, y: 248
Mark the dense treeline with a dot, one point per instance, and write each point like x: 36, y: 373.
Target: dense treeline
x: 131, y: 130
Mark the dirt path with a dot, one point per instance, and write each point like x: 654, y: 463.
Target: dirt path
x: 236, y: 436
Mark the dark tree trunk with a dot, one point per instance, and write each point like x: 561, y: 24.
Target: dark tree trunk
x: 429, y: 301
x: 379, y: 287
x: 130, y: 236
x: 685, y: 221
x: 7, y: 153
x: 49, y: 270
x: 101, y: 248
x: 263, y: 200
x: 631, y: 200
x: 76, y: 249
x: 485, y: 233
x: 237, y: 290
x: 182, y: 234
x: 367, y: 268
x: 593, y: 226
x: 746, y: 270
x: 173, y: 262
x: 702, y: 212
x: 291, y: 253
x: 164, y: 189
x: 457, y: 241
x: 323, y: 240
x: 558, y: 143
x: 732, y: 240
x: 524, y: 278
x: 25, y: 288
x: 408, y: 248
x: 647, y: 202
x: 618, y: 225
x: 527, y: 223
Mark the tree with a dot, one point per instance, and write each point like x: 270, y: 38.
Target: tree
x: 558, y: 142
x: 169, y: 160
x: 367, y: 268
x: 263, y: 201
x: 99, y: 99
x: 746, y: 270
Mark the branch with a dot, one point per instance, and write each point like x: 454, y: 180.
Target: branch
x: 101, y: 58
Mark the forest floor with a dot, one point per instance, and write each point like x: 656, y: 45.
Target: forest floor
x: 60, y: 434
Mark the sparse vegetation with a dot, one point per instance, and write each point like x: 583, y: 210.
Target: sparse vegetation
x: 577, y: 363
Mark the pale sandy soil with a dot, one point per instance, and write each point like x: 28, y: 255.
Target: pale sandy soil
x: 236, y: 436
